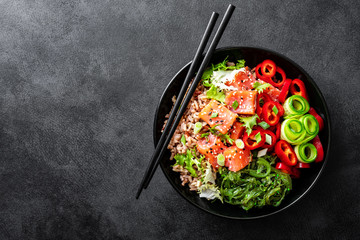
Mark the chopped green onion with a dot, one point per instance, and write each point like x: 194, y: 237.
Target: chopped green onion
x: 221, y: 159
x: 197, y: 127
x: 183, y: 140
x: 262, y: 152
x: 239, y: 143
x: 264, y: 125
x: 268, y: 139
x: 258, y: 137
x: 214, y: 115
x: 275, y: 110
x: 235, y: 105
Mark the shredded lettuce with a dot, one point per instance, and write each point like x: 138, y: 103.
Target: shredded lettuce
x: 222, y: 67
x: 208, y: 176
x: 210, y: 192
x: 249, y: 122
x: 208, y: 189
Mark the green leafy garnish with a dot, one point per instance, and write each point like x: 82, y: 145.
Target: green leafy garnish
x: 258, y: 137
x: 249, y: 122
x: 215, y: 93
x: 260, y: 87
x: 226, y: 138
x: 206, y: 76
x: 183, y: 140
x: 264, y: 125
x: 275, y: 110
x: 187, y: 161
x: 235, y: 105
x: 214, y: 115
x: 206, y: 83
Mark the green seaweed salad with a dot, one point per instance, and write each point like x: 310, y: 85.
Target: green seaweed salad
x: 256, y: 185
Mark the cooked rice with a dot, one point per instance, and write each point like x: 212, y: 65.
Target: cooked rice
x: 186, y: 127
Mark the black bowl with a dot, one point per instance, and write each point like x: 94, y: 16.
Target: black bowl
x: 252, y: 56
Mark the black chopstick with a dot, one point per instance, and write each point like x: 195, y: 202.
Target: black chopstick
x: 194, y: 85
x: 161, y: 147
x: 190, y: 74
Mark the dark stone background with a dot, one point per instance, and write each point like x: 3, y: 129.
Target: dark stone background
x: 79, y: 83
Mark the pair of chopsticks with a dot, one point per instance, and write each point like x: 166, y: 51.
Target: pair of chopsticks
x: 181, y: 104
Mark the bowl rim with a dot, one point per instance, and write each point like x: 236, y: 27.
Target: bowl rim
x: 326, y: 113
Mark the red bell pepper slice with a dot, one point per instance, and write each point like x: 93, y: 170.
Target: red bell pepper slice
x: 250, y: 140
x: 273, y: 139
x: 285, y: 90
x: 297, y: 87
x: 293, y: 172
x: 286, y: 153
x: 262, y: 96
x: 279, y: 82
x: 268, y: 68
x: 320, y: 150
x: 280, y: 109
x: 302, y: 165
x: 284, y: 168
x: 278, y: 131
x: 260, y: 76
x: 269, y: 115
x: 318, y: 118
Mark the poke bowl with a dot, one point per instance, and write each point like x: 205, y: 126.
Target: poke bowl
x: 300, y: 185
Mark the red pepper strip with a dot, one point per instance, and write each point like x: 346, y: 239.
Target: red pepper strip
x: 280, y: 82
x: 302, y: 165
x: 286, y: 153
x: 293, y: 172
x: 266, y: 98
x: 273, y: 139
x: 268, y: 68
x: 280, y: 108
x: 268, y: 114
x: 320, y: 150
x: 285, y: 90
x: 298, y: 84
x: 284, y: 168
x: 318, y: 118
x: 250, y: 141
x: 278, y: 131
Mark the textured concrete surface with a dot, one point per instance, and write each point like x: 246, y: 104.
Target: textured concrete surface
x: 79, y: 83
